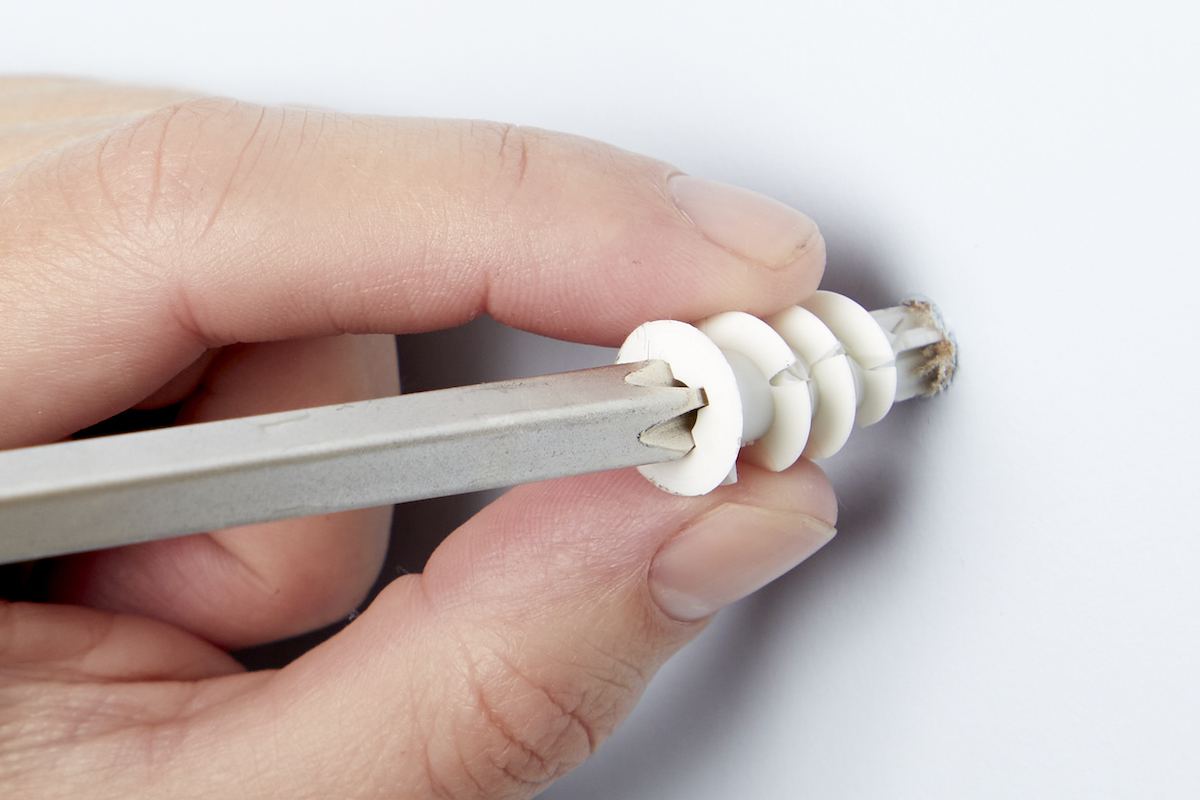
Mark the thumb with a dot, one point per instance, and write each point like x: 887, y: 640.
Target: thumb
x: 527, y: 640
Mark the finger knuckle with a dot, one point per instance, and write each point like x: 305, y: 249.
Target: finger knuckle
x: 172, y: 171
x: 519, y: 728
x: 137, y: 202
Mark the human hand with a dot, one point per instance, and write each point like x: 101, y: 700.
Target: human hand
x: 157, y: 249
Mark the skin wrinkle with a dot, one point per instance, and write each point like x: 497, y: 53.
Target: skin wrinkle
x: 505, y: 155
x: 161, y: 745
x: 440, y: 781
x: 225, y: 191
x: 633, y: 688
x: 428, y: 722
x: 30, y: 731
x: 156, y: 187
x: 151, y: 146
x: 137, y: 261
x: 466, y: 257
x: 157, y: 738
x: 181, y: 309
x: 499, y: 762
x: 549, y: 753
x: 88, y: 713
x: 306, y: 123
x: 284, y: 124
x: 106, y: 193
x: 437, y: 787
x: 570, y: 715
x: 502, y: 169
x: 153, y: 744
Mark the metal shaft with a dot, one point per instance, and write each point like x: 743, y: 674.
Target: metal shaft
x: 115, y: 490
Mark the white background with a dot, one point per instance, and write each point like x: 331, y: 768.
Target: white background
x: 1011, y: 606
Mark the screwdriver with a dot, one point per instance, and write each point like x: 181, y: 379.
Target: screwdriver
x: 680, y: 404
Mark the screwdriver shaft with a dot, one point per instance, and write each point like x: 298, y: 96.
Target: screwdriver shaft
x: 115, y: 490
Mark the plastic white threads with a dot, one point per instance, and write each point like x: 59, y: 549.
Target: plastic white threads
x: 794, y: 384
x: 695, y: 361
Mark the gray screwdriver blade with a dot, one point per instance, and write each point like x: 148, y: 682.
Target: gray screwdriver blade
x: 109, y: 491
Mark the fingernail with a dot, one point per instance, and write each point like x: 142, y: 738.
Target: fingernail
x: 744, y: 222
x: 728, y: 553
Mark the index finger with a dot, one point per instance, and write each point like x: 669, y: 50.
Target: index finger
x: 125, y: 255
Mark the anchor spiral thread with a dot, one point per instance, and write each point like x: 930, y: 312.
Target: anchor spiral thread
x: 794, y: 384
